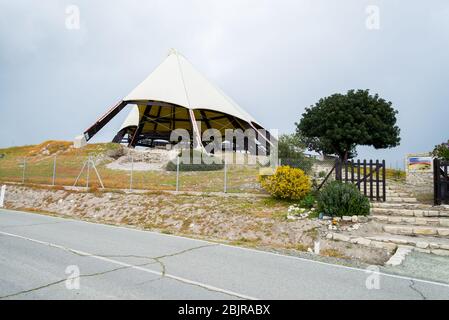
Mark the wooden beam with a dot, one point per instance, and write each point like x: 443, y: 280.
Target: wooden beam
x: 139, y: 129
x: 204, y: 118
x: 100, y: 123
x: 173, y: 124
x: 157, y: 118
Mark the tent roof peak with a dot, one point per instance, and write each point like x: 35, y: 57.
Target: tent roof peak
x: 176, y: 81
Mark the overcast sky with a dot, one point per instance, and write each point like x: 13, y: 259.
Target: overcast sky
x: 273, y: 57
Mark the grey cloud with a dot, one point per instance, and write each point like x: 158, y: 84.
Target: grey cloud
x: 273, y: 57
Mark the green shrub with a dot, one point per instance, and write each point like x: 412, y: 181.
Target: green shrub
x: 287, y: 183
x: 442, y: 151
x: 342, y: 199
x: 308, y: 201
x: 211, y: 164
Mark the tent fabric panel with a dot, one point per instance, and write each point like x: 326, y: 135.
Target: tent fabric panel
x: 176, y: 81
x: 163, y: 84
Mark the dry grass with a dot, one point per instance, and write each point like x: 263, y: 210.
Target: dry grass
x: 334, y: 253
x: 69, y: 161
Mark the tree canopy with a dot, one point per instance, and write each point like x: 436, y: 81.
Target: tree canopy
x: 441, y: 151
x: 339, y: 123
x: 291, y: 152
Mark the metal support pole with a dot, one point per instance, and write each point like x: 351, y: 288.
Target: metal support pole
x: 225, y: 176
x: 54, y: 171
x: 177, y: 173
x: 23, y: 171
x: 131, y: 176
x: 88, y: 169
x: 81, y: 172
x: 98, y: 175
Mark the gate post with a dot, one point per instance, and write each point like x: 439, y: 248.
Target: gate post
x: 436, y: 182
x: 384, y: 181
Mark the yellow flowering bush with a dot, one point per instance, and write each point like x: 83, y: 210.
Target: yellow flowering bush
x: 287, y: 183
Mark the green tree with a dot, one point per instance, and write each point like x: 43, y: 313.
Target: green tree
x: 339, y: 123
x: 441, y: 151
x: 291, y: 152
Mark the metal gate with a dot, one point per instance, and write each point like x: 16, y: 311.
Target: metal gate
x: 368, y: 176
x: 441, y: 182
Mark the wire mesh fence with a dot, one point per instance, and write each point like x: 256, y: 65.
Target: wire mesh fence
x: 127, y: 173
x: 134, y: 171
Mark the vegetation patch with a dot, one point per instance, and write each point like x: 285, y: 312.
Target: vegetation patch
x: 287, y: 183
x: 342, y: 199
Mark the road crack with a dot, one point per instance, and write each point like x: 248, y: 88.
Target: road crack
x: 65, y: 279
x: 157, y: 259
x: 412, y: 286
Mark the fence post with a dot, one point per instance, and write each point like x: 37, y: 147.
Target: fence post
x: 384, y: 181
x: 54, y: 171
x: 371, y: 194
x: 358, y: 174
x: 364, y: 178
x: 88, y: 169
x: 131, y: 175
x: 436, y: 182
x: 23, y: 170
x: 225, y: 176
x: 177, y: 173
x: 352, y: 171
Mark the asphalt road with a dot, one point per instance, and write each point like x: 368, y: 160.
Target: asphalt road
x: 41, y: 255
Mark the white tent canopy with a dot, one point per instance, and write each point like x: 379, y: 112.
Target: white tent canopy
x: 173, y: 96
x: 176, y: 81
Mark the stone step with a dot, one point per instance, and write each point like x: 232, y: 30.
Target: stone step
x: 407, y: 220
x: 398, y: 194
x: 402, y: 199
x: 433, y: 245
x: 390, y: 193
x: 409, y: 212
x: 438, y: 246
x: 410, y: 230
x: 401, y: 205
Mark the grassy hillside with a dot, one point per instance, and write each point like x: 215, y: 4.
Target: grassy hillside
x: 69, y: 161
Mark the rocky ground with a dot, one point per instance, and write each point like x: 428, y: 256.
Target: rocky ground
x: 252, y: 221
x: 143, y: 160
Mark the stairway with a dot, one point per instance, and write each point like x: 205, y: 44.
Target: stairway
x: 406, y: 222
